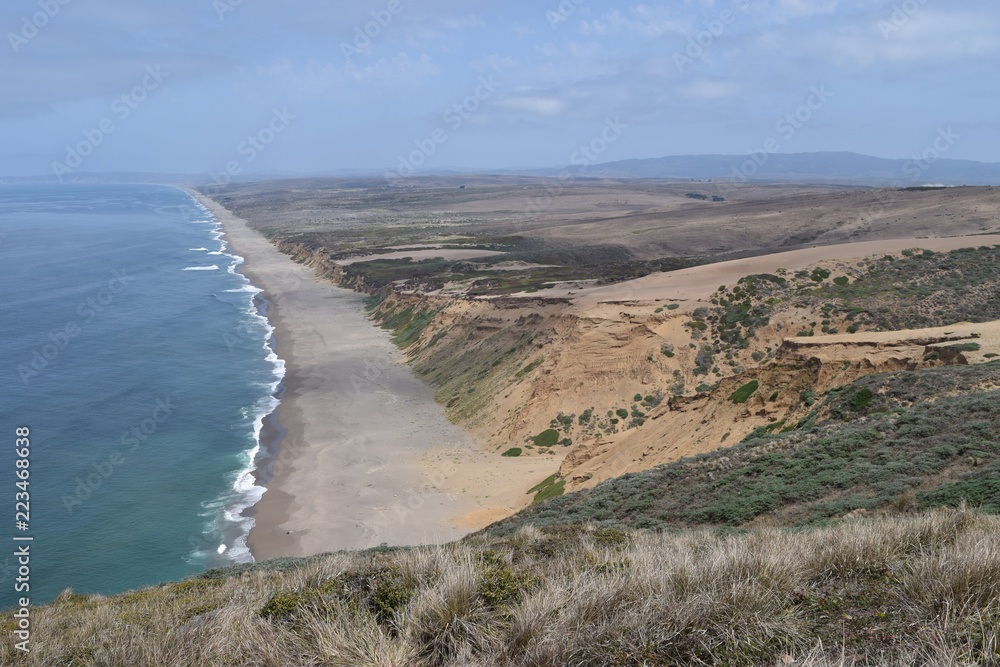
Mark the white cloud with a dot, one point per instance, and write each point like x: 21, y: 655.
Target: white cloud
x: 644, y: 20
x: 522, y: 30
x: 315, y: 76
x: 706, y: 89
x: 926, y: 36
x: 463, y: 22
x: 534, y: 104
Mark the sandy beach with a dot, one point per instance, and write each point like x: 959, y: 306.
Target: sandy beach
x: 350, y: 472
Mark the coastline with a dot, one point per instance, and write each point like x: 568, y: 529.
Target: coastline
x: 350, y: 471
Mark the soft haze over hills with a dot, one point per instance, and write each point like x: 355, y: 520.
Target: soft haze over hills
x: 848, y: 168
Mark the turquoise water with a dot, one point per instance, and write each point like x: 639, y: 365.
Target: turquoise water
x: 137, y: 354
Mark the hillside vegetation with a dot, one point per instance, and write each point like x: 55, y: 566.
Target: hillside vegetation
x: 913, y: 590
x: 886, y: 442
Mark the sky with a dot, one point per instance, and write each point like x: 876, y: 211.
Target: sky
x: 231, y: 88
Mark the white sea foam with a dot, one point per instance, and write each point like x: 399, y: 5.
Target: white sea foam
x: 245, y: 491
x: 197, y: 249
x: 213, y: 267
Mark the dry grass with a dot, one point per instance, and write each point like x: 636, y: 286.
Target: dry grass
x: 917, y: 590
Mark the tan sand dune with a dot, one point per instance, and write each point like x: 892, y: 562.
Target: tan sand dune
x: 700, y: 282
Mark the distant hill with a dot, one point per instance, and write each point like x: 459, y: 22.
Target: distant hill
x: 814, y: 167
x: 827, y: 167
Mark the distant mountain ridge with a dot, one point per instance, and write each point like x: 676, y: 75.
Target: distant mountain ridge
x: 825, y: 166
x: 820, y: 167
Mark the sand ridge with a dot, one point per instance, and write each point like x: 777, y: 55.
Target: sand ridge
x: 700, y: 282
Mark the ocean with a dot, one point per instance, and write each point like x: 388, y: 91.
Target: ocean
x: 140, y: 359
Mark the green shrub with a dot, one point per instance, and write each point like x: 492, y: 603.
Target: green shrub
x: 743, y: 394
x: 673, y: 306
x: 819, y: 275
x: 964, y: 347
x: 622, y: 413
x: 841, y: 280
x: 697, y: 324
x: 513, y: 451
x: 861, y: 399
x: 546, y: 438
x: 283, y: 604
x: 501, y: 586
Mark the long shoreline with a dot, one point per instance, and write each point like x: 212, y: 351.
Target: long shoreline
x: 348, y: 473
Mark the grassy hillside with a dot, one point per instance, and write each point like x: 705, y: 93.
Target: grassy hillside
x: 916, y: 590
x: 747, y: 565
x: 887, y: 442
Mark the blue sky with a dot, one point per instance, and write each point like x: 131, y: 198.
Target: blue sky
x: 202, y: 86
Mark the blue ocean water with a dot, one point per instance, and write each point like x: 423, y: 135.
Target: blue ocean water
x: 138, y: 356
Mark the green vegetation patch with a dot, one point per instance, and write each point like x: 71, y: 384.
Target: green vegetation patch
x: 963, y: 347
x: 891, y: 294
x: 513, y: 451
x: 408, y: 331
x: 548, y: 481
x: 819, y: 275
x: 546, y: 438
x: 743, y: 394
x: 552, y: 487
x: 529, y: 367
x: 862, y: 397
x: 548, y: 493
